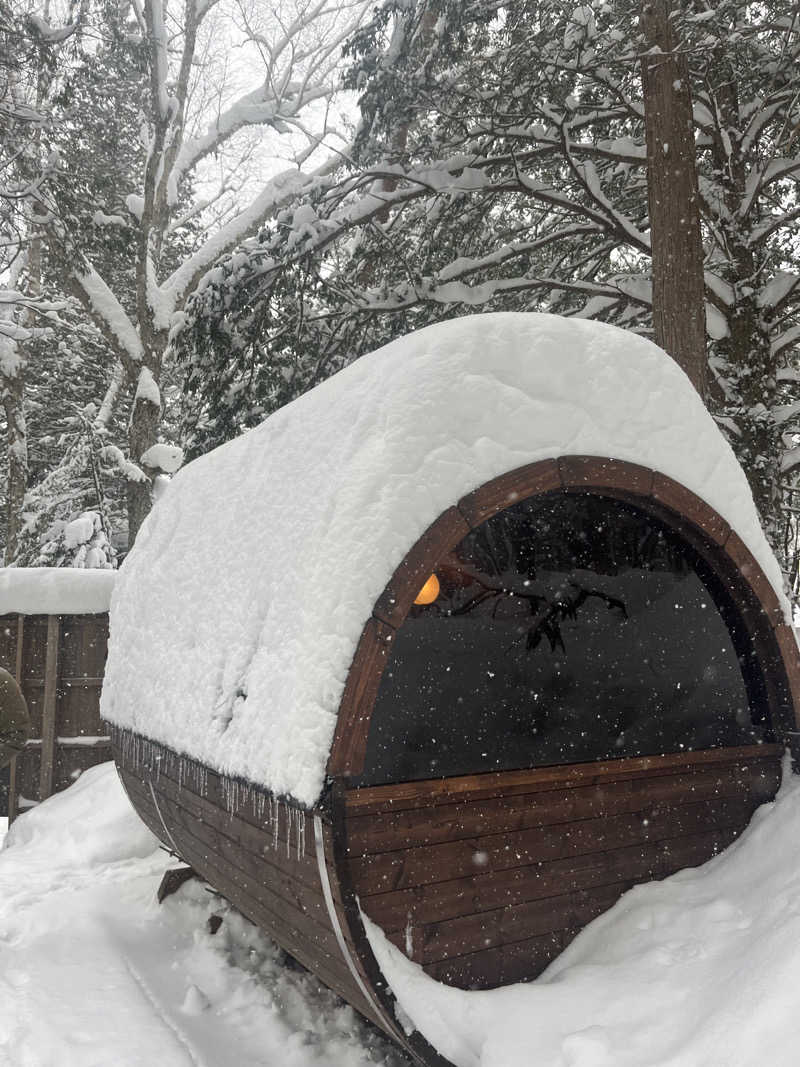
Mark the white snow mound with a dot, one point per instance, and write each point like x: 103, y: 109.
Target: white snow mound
x: 96, y: 973
x: 236, y: 615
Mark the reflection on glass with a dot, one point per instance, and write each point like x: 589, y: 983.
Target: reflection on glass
x: 567, y: 628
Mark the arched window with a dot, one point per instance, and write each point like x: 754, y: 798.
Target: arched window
x: 569, y: 627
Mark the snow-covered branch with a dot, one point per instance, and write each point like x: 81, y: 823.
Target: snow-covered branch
x: 107, y: 311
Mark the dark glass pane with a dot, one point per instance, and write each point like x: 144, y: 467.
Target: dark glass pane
x: 568, y: 628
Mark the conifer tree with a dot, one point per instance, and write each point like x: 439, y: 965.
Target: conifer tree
x: 501, y: 163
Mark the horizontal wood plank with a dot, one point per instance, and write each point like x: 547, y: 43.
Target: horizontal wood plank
x: 519, y: 961
x: 305, y: 934
x: 252, y: 808
x: 480, y: 893
x: 423, y: 794
x: 516, y: 923
x: 392, y: 830
x: 425, y: 865
x: 233, y: 838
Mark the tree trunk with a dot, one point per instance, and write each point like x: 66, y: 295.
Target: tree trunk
x: 12, y: 376
x: 677, y: 251
x: 142, y: 433
x: 749, y: 364
x: 759, y: 443
x: 13, y: 389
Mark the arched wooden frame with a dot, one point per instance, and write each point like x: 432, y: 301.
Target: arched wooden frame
x: 652, y: 492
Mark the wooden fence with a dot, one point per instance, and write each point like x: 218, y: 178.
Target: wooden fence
x: 58, y: 661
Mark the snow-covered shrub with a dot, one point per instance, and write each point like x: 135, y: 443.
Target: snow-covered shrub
x: 82, y: 542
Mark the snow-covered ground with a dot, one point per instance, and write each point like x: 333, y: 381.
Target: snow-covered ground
x: 701, y: 970
x: 95, y: 973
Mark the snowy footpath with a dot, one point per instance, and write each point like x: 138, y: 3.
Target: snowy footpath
x: 701, y: 970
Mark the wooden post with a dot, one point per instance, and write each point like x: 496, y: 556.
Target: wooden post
x: 49, y: 707
x: 20, y: 639
x: 12, y: 773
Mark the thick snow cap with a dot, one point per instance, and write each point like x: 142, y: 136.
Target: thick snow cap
x: 55, y: 590
x: 235, y: 617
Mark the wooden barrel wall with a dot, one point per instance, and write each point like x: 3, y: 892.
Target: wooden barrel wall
x: 480, y: 878
x: 58, y: 661
x: 276, y: 862
x: 484, y: 883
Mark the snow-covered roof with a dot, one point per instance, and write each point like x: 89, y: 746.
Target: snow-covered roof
x: 55, y: 590
x: 236, y: 615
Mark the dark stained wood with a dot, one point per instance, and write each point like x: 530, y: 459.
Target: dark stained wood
x: 790, y: 661
x: 297, y: 921
x: 492, y: 872
x: 210, y: 849
x: 358, y: 700
x: 394, y: 603
x: 752, y: 573
x: 18, y: 650
x: 582, y: 472
x: 422, y: 794
x: 51, y: 666
x: 424, y: 865
x: 172, y: 882
x: 333, y: 854
x: 484, y: 892
x: 489, y: 968
x: 502, y: 492
x: 244, y: 895
x: 438, y: 941
x: 394, y: 830
x: 289, y: 901
x: 248, y: 810
x: 34, y: 644
x: 69, y: 688
x: 690, y: 508
x: 294, y: 868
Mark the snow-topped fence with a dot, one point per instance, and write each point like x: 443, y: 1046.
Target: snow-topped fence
x: 53, y: 639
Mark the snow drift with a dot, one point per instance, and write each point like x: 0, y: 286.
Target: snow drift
x: 701, y: 970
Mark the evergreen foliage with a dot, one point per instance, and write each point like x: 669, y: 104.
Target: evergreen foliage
x: 500, y: 164
x: 134, y: 101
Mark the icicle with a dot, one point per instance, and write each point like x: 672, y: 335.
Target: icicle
x: 301, y: 835
x: 229, y: 794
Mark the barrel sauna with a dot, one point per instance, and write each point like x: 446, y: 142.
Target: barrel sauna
x: 577, y: 678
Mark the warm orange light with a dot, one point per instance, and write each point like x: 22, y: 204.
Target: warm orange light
x: 429, y: 592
